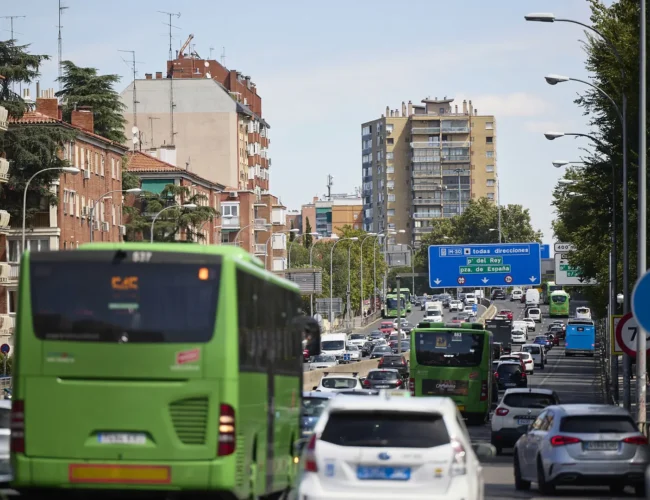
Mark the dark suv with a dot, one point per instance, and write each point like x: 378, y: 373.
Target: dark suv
x: 397, y: 362
x: 498, y: 295
x: 383, y: 379
x: 509, y: 375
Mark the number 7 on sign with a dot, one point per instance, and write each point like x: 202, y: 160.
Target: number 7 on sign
x: 634, y: 330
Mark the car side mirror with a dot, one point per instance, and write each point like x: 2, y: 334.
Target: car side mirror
x: 484, y: 450
x: 314, y: 388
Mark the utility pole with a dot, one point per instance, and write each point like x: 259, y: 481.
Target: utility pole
x: 330, y: 183
x: 135, y: 97
x: 60, y: 42
x: 641, y: 344
x: 151, y: 141
x: 11, y: 21
x: 170, y: 74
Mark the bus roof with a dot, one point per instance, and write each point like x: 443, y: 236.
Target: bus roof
x: 431, y: 325
x: 559, y: 292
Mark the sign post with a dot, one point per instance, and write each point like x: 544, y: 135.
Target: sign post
x: 399, y: 317
x: 626, y: 333
x: 640, y: 296
x: 566, y: 274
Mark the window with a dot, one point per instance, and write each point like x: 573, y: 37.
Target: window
x: 390, y: 184
x: 490, y: 183
x: 229, y: 210
x: 366, y: 130
x: 101, y: 171
x: 389, y: 128
x: 489, y: 140
x: 33, y: 245
x: 489, y: 154
x: 76, y: 156
x: 390, y: 170
x: 490, y: 196
x: 83, y: 205
x: 71, y: 203
x: 12, y: 301
x: 449, y: 349
x: 97, y: 163
x: 153, y: 302
x: 390, y: 155
x: 390, y: 212
x: 113, y: 168
x: 489, y: 168
x: 489, y: 125
x: 598, y: 424
x: 391, y: 197
x: 390, y: 140
x: 530, y: 400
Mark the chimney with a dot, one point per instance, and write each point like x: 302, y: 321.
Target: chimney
x: 410, y: 108
x: 148, y: 76
x: 387, y: 111
x: 464, y: 107
x: 404, y: 109
x: 391, y: 113
x: 456, y: 109
x: 38, y: 90
x: 475, y: 112
x: 48, y: 106
x: 158, y: 75
x: 82, y: 117
x: 470, y: 108
x: 167, y: 153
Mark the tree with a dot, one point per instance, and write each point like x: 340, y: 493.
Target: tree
x: 29, y: 148
x: 292, y: 235
x: 84, y: 87
x: 308, y: 239
x: 586, y: 221
x: 174, y: 221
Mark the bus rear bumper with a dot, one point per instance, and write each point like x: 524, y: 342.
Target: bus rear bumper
x: 43, y: 474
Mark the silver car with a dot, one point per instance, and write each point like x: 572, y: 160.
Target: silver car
x: 5, y: 467
x: 582, y: 444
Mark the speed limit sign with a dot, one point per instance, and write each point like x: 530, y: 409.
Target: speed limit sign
x: 626, y: 331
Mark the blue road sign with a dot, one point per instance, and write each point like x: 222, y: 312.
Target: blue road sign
x: 640, y: 297
x: 4, y: 348
x: 545, y: 252
x: 474, y: 308
x: 346, y: 357
x: 496, y: 264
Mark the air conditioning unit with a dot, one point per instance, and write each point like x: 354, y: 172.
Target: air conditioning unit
x: 86, y: 174
x: 122, y: 230
x: 105, y: 226
x: 84, y: 211
x: 96, y: 225
x: 233, y: 194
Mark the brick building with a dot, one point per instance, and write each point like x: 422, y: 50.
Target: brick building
x: 157, y: 168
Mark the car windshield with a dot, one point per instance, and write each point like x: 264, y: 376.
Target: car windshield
x: 353, y: 348
x: 597, y: 424
x: 332, y: 345
x: 324, y: 358
x: 540, y: 339
x: 508, y: 368
x: 385, y: 429
x: 357, y: 336
x: 339, y: 383
x: 382, y: 348
x: 533, y: 311
x: 383, y: 375
x: 393, y: 361
x: 449, y: 348
x: 517, y: 332
x: 313, y: 407
x: 532, y: 349
x: 392, y: 303
x: 376, y: 335
x: 529, y: 400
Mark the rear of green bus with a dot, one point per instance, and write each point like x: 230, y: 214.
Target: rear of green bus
x: 559, y: 304
x: 126, y: 372
x: 391, y: 310
x: 455, y: 361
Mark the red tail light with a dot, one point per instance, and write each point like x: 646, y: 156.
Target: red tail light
x: 226, y: 430
x: 502, y: 412
x: 496, y: 374
x: 638, y: 440
x: 563, y: 440
x: 484, y: 390
x: 399, y: 383
x: 412, y: 386
x: 310, y: 455
x: 366, y: 383
x: 17, y: 426
x: 523, y: 374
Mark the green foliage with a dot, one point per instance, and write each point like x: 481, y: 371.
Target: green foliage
x: 292, y: 235
x: 173, y: 221
x: 84, y: 87
x: 585, y: 221
x: 321, y: 252
x: 17, y: 65
x: 308, y: 239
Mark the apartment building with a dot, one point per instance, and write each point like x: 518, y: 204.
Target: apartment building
x: 7, y: 322
x: 216, y: 133
x: 249, y: 220
x: 425, y: 162
x: 67, y: 225
x: 157, y: 169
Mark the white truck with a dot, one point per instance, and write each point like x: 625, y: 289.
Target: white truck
x: 435, y: 305
x: 532, y: 297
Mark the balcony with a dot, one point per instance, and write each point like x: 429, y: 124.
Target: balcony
x: 456, y: 159
x: 456, y: 144
x: 14, y: 271
x: 426, y: 159
x: 259, y: 248
x: 427, y: 201
x: 424, y: 216
x: 425, y: 130
x: 425, y: 145
x: 422, y: 230
x: 7, y: 324
x: 426, y: 187
x: 3, y: 119
x: 259, y: 225
x: 455, y: 130
x: 420, y: 174
x: 229, y: 223
x: 5, y: 217
x: 4, y: 170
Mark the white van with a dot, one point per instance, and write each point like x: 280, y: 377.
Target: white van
x: 537, y: 352
x: 535, y: 313
x: 516, y: 294
x: 583, y: 313
x: 470, y: 299
x: 532, y: 297
x: 520, y: 325
x: 334, y: 344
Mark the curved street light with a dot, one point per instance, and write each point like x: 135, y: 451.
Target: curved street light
x: 338, y: 240
x: 189, y: 206
x: 105, y: 195
x: 564, y: 163
x: 66, y: 170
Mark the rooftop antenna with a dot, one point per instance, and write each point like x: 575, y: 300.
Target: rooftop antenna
x: 60, y: 42
x: 11, y: 20
x: 136, y: 136
x: 223, y: 56
x: 151, y: 119
x: 330, y: 183
x: 170, y: 75
x: 207, y: 67
x: 135, y: 73
x: 211, y: 49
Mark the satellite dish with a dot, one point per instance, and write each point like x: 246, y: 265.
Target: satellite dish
x: 206, y: 64
x: 135, y: 130
x: 208, y: 75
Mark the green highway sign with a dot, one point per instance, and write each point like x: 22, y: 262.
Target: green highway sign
x: 472, y: 261
x: 568, y: 268
x: 505, y: 268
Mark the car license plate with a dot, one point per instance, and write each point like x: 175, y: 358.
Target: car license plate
x: 524, y: 421
x: 384, y: 473
x: 381, y: 386
x: 601, y: 445
x: 510, y: 384
x: 122, y: 438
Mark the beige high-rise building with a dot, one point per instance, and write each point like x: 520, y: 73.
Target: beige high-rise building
x: 425, y: 162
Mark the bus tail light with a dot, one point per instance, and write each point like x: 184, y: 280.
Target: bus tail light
x: 412, y: 386
x: 310, y: 455
x: 484, y: 390
x: 226, y: 430
x: 17, y: 426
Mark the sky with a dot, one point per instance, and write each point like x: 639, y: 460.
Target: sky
x: 323, y: 68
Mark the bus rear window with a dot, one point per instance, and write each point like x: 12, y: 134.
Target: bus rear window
x: 559, y: 299
x: 448, y: 348
x: 124, y: 301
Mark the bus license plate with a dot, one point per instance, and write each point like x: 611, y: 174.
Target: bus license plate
x: 122, y: 438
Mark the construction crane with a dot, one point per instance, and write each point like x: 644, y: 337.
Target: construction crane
x: 185, y: 45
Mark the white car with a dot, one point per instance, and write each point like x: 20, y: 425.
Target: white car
x: 434, y: 316
x: 529, y: 362
x: 337, y: 382
x: 354, y: 352
x: 6, y: 474
x: 537, y: 353
x: 323, y: 361
x: 518, y: 407
x: 530, y: 323
x: 357, y: 339
x: 455, y: 305
x: 470, y: 299
x: 516, y: 295
x: 391, y: 446
x: 535, y: 313
x: 520, y: 325
x: 518, y: 337
x: 468, y: 309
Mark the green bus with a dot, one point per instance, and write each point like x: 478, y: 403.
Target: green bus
x: 547, y: 289
x: 559, y: 304
x: 406, y: 295
x: 164, y: 367
x: 454, y: 360
x: 391, y: 309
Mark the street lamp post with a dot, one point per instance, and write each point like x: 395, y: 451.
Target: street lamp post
x: 189, y: 206
x: 67, y: 170
x: 311, y: 251
x: 374, y: 275
x: 368, y: 235
x: 91, y: 216
x: 339, y: 240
